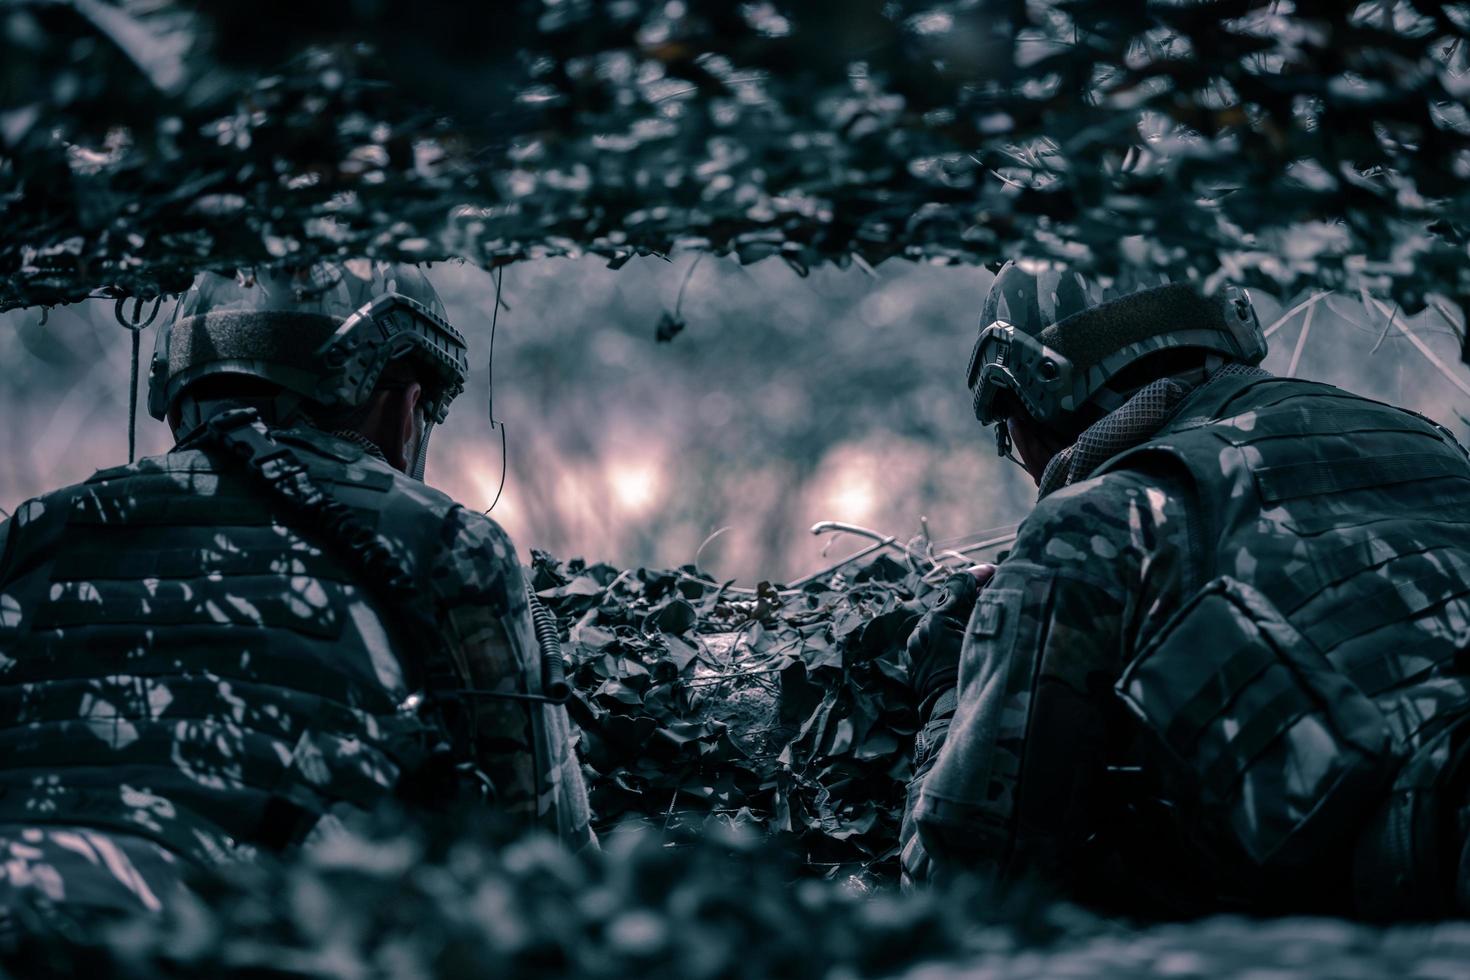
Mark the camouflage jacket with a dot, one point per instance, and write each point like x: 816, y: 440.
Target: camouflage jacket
x: 180, y: 661
x: 1202, y: 670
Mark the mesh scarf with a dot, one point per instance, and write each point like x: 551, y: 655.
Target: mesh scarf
x: 361, y: 440
x: 1134, y: 422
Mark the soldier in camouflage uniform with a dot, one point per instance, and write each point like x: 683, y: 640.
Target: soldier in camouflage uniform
x: 223, y: 648
x: 1224, y: 664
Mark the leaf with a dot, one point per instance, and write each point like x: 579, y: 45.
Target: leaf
x: 675, y: 617
x: 842, y: 737
x: 878, y: 745
x: 669, y: 327
x: 591, y: 638
x: 616, y: 691
x: 582, y: 585
x: 681, y: 652
x: 819, y: 653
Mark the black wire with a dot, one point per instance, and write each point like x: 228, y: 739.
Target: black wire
x: 135, y: 325
x: 679, y: 300
x: 501, y: 489
x: 133, y: 399
x: 490, y: 397
x: 490, y: 367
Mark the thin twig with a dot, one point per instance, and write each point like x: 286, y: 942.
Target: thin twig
x: 490, y: 395
x: 734, y: 673
x: 1386, y: 327
x: 960, y: 553
x: 1301, y: 342
x: 879, y: 543
x: 988, y: 543
x: 623, y: 576
x: 700, y: 550
x: 688, y: 275
x: 1423, y: 348
x: 967, y: 540
x: 1448, y: 318
x: 841, y: 527
x: 855, y: 556
x: 827, y: 527
x: 1304, y: 304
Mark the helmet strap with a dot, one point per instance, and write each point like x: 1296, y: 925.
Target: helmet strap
x: 1002, y: 438
x: 421, y: 458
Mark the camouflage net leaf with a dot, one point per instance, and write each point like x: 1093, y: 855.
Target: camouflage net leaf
x: 755, y: 872
x: 1312, y: 143
x: 781, y: 710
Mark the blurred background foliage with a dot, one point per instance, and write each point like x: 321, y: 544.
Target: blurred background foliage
x: 784, y: 401
x: 1283, y: 143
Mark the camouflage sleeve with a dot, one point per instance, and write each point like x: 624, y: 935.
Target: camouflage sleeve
x: 38, y: 521
x: 1012, y: 763
x: 525, y: 748
x: 9, y: 605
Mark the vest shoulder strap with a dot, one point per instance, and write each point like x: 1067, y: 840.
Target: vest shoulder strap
x: 318, y: 514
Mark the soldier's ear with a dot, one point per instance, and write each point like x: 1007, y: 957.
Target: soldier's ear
x: 403, y: 423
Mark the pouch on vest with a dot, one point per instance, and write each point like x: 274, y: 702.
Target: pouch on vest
x: 1286, y: 753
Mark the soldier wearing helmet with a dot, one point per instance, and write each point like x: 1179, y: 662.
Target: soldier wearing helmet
x: 227, y: 647
x: 1224, y: 665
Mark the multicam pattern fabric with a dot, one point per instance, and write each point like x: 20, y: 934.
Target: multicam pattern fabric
x: 1199, y: 671
x: 1134, y: 421
x: 178, y: 664
x: 532, y: 766
x: 84, y: 869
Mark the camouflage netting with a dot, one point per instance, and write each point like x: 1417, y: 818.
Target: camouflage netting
x: 745, y: 736
x: 1284, y: 144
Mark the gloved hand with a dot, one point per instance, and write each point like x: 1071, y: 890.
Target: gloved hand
x: 934, y: 645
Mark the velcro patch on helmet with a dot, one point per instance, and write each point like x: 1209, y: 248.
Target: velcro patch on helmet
x: 1086, y: 338
x: 289, y: 339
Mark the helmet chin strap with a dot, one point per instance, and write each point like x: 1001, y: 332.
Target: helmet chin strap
x: 421, y: 458
x: 1002, y: 438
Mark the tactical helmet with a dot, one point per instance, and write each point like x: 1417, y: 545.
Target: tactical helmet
x: 1054, y: 339
x: 323, y: 333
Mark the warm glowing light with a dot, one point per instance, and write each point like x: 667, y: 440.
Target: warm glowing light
x: 484, y: 479
x: 853, y: 500
x: 636, y: 487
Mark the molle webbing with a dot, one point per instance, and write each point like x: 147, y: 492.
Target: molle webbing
x: 230, y: 668
x: 115, y: 561
x: 1352, y: 516
x: 1086, y: 338
x: 1351, y: 520
x: 319, y: 515
x: 1323, y: 476
x: 152, y: 499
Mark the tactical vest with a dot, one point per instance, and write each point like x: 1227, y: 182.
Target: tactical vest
x: 1312, y: 689
x: 177, y: 661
